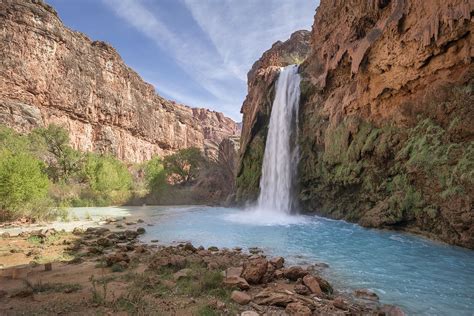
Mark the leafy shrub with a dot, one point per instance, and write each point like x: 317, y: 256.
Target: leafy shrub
x: 108, y: 178
x: 184, y: 166
x: 23, y: 185
x: 51, y: 144
x: 155, y: 175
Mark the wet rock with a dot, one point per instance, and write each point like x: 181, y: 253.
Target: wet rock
x: 294, y: 273
x: 254, y: 270
x: 391, y: 310
x: 189, y: 247
x: 140, y: 220
x: 235, y: 281
x: 339, y: 303
x: 302, y: 289
x: 141, y: 230
x: 255, y: 250
x: 366, y: 294
x: 154, y: 240
x: 241, y: 298
x: 324, y: 285
x: 213, y: 248
x: 130, y: 234
x: 277, y: 262
x: 297, y: 309
x: 312, y: 283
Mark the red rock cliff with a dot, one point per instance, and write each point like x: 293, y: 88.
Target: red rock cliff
x: 50, y: 74
x: 386, y: 117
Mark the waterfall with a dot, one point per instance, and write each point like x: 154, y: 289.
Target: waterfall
x: 281, y: 155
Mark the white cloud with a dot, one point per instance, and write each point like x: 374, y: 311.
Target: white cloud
x: 234, y: 35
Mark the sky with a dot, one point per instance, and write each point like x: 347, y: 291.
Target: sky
x: 196, y: 52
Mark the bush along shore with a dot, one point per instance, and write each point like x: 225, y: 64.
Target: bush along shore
x: 105, y: 270
x: 41, y: 176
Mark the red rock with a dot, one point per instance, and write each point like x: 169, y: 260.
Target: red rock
x: 277, y: 262
x: 235, y: 281
x: 107, y: 106
x: 241, y: 298
x: 294, y: 273
x: 312, y: 283
x: 254, y: 270
x: 298, y: 309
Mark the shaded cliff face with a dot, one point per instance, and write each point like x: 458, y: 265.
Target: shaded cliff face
x: 50, y: 74
x: 386, y: 131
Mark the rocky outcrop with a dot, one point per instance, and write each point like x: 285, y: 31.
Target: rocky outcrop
x: 386, y: 133
x: 50, y: 74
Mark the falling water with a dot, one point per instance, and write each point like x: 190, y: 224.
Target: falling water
x: 281, y: 151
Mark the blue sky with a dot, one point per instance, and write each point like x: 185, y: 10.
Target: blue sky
x: 197, y: 52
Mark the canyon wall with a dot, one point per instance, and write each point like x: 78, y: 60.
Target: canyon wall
x: 386, y: 117
x: 50, y: 74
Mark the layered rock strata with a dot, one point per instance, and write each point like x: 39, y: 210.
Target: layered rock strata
x: 50, y: 74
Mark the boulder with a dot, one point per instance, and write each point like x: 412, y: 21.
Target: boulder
x: 297, y: 309
x: 235, y: 281
x: 254, y: 270
x: 339, y: 303
x: 234, y: 271
x: 141, y: 230
x: 302, y: 289
x: 270, y: 297
x: 294, y: 273
x: 241, y: 298
x: 324, y: 285
x: 117, y: 258
x: 390, y: 310
x: 277, y: 262
x: 189, y: 247
x: 312, y: 283
x: 366, y: 294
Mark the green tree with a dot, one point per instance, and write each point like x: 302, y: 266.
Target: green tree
x: 155, y: 175
x: 106, y: 174
x: 52, y: 145
x: 184, y: 165
x: 22, y: 182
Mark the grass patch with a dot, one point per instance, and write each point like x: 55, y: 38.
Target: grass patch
x: 41, y: 287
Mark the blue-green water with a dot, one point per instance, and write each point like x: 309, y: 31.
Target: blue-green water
x: 421, y: 276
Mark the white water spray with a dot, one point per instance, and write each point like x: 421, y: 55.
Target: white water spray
x: 280, y: 161
x: 281, y: 151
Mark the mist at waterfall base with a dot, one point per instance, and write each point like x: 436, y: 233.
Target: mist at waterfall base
x: 280, y: 161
